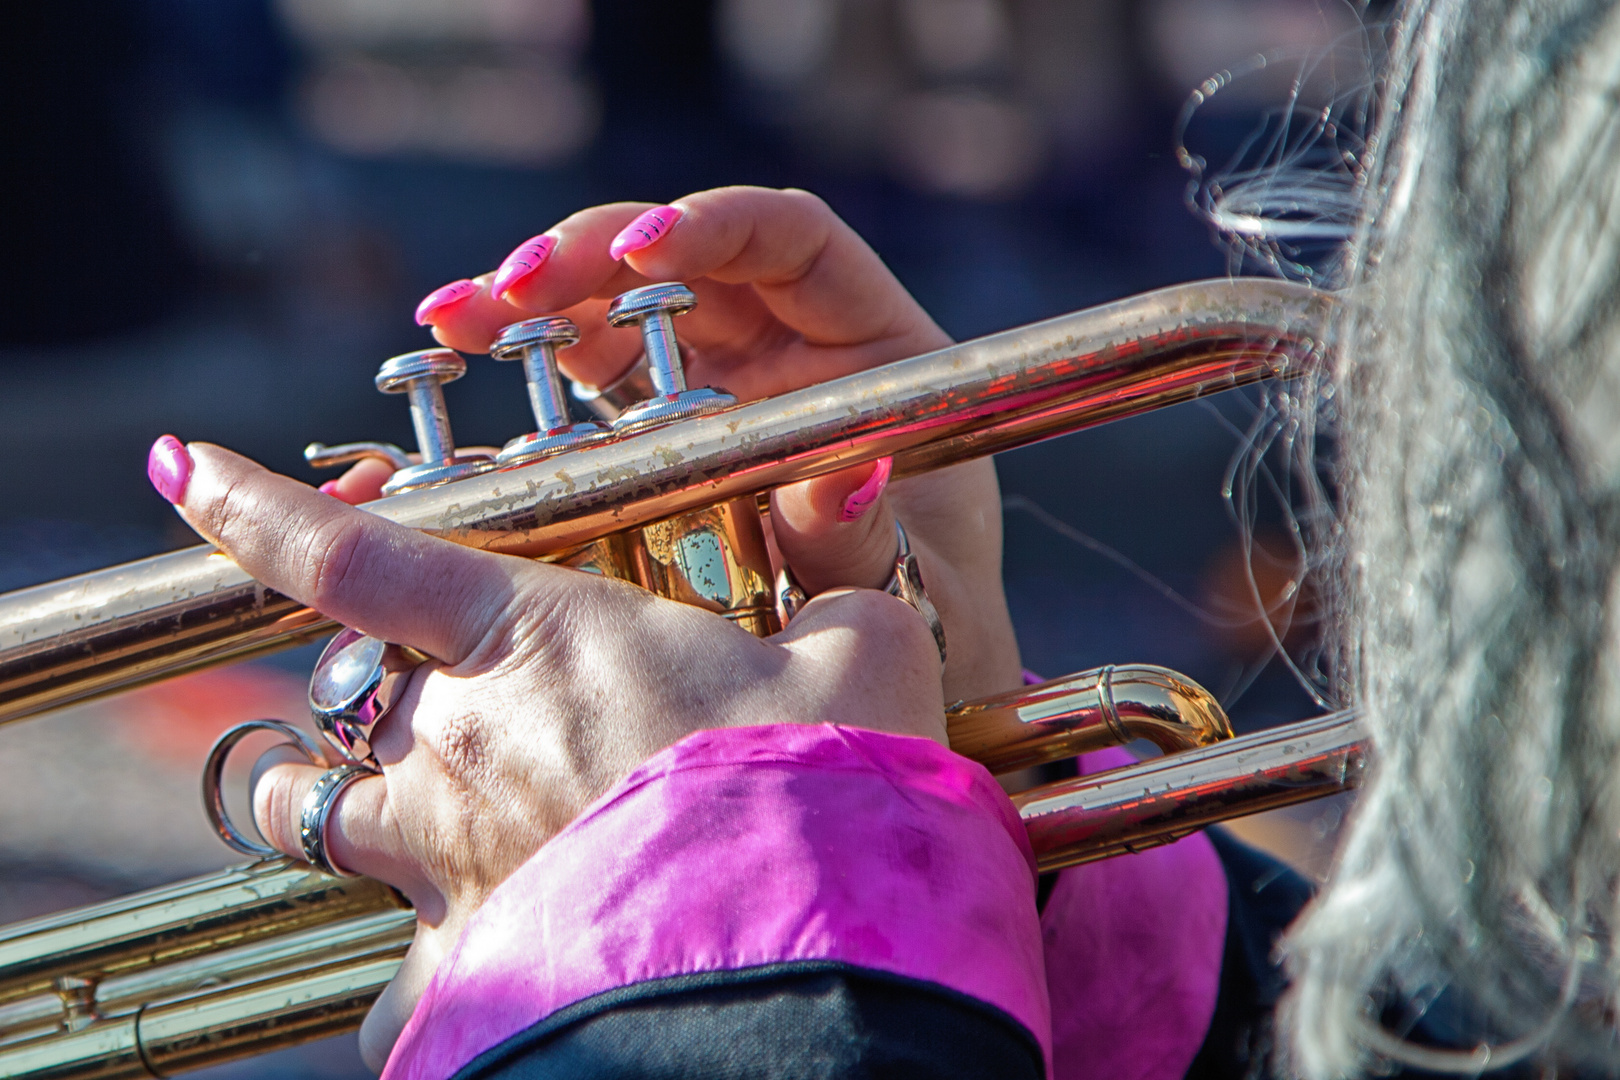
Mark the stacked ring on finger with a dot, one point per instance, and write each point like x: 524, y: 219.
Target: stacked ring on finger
x: 316, y: 813
x: 905, y: 582
x: 214, y: 771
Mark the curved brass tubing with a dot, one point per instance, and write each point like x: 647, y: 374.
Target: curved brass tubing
x: 274, y: 954
x: 1079, y: 713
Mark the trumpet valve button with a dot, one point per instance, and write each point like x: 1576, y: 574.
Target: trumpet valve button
x: 555, y: 331
x: 400, y: 374
x: 670, y: 297
x: 421, y: 376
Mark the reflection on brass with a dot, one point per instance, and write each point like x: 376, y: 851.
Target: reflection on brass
x: 228, y: 965
x: 272, y: 954
x: 1085, y: 712
x: 90, y: 635
x: 1159, y: 801
x: 610, y: 557
x: 715, y: 559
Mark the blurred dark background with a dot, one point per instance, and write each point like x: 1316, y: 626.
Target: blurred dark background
x: 216, y: 218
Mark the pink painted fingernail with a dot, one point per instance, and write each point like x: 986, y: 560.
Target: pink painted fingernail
x: 439, y: 299
x: 329, y: 488
x: 168, y: 466
x: 644, y: 230
x: 867, y: 494
x: 524, y: 260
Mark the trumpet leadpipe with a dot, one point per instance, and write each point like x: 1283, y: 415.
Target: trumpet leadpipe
x: 101, y: 632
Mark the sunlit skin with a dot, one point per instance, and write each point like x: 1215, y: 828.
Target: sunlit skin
x: 788, y: 296
x: 547, y: 685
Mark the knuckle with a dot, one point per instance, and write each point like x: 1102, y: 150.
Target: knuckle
x: 808, y: 201
x: 228, y: 514
x: 881, y: 622
x: 460, y: 743
x: 331, y: 561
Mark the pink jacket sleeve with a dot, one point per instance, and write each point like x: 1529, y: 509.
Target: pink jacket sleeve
x: 746, y: 848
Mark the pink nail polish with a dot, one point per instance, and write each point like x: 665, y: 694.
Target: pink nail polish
x: 329, y: 488
x: 439, y: 299
x: 644, y: 230
x: 168, y: 466
x: 524, y: 260
x: 868, y: 493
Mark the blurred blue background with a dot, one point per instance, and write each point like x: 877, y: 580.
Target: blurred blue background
x: 219, y: 215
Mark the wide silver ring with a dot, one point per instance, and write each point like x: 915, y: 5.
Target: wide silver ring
x: 907, y: 584
x: 316, y: 812
x: 607, y: 402
x: 357, y: 680
x: 214, y: 773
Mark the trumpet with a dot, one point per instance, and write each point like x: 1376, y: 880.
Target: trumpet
x: 274, y: 953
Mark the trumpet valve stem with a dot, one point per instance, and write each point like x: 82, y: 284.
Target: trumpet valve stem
x: 653, y: 308
x: 420, y: 376
x: 535, y: 342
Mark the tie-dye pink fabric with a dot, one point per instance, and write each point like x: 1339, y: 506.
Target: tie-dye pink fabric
x: 745, y: 847
x: 1133, y: 957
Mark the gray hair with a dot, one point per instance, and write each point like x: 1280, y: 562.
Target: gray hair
x: 1477, y: 401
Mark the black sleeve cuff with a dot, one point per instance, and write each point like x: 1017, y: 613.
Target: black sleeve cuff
x: 798, y: 1020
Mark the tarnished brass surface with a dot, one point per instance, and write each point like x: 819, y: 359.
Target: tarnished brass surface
x: 1158, y: 801
x: 231, y: 908
x: 714, y: 558
x: 273, y: 954
x: 100, y: 632
x: 1084, y: 712
x: 231, y: 964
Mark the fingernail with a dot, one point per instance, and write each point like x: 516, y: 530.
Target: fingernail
x: 644, y: 230
x: 439, y: 299
x: 524, y: 260
x: 329, y: 488
x: 867, y: 494
x: 168, y: 466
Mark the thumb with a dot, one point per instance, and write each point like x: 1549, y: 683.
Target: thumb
x: 837, y: 530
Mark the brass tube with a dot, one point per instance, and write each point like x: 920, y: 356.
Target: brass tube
x: 1084, y: 712
x: 101, y: 632
x: 178, y: 922
x: 211, y: 1027
x: 1159, y: 801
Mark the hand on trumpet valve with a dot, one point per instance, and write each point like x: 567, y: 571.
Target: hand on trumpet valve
x: 534, y: 699
x: 785, y: 295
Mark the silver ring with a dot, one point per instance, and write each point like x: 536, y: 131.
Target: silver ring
x: 906, y: 583
x: 357, y: 680
x: 316, y: 812
x: 214, y: 772
x: 631, y: 388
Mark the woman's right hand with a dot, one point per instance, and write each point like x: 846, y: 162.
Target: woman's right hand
x: 788, y: 296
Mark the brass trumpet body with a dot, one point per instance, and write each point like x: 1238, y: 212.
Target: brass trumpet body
x: 273, y: 953
x: 105, y: 631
